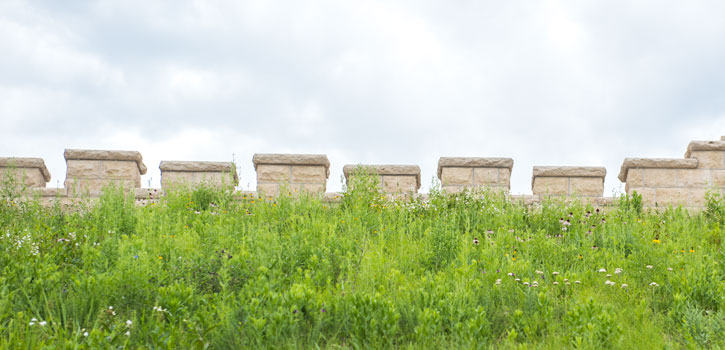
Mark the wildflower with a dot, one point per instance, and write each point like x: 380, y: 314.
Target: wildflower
x: 555, y: 283
x: 510, y: 274
x: 85, y: 334
x: 609, y: 275
x: 32, y: 321
x: 323, y: 310
x: 161, y: 257
x: 555, y: 273
x: 654, y: 284
x: 578, y: 282
x: 511, y: 231
x: 649, y: 267
x: 538, y: 272
x: 489, y: 231
x: 498, y: 281
x: 563, y: 228
x: 517, y: 279
x: 567, y: 283
x: 129, y: 323
x: 526, y: 283
x: 656, y: 241
x: 692, y: 250
x: 295, y: 311
x: 602, y: 270
x: 475, y: 240
x: 669, y: 269
x: 42, y: 323
x: 609, y: 283
x: 566, y: 280
x: 567, y: 223
x: 128, y: 333
x: 561, y: 220
x: 534, y: 284
x: 110, y: 307
x: 624, y: 285
x: 617, y: 271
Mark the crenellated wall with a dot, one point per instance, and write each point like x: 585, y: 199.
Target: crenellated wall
x: 661, y: 181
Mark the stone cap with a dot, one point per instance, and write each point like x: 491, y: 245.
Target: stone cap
x: 291, y: 159
x: 474, y: 162
x: 92, y: 154
x: 26, y: 163
x: 566, y: 171
x: 704, y: 146
x: 410, y: 170
x: 197, y: 166
x: 671, y: 163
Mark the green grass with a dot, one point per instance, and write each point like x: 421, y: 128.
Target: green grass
x: 213, y: 269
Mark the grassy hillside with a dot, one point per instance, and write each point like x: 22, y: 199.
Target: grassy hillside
x: 209, y: 269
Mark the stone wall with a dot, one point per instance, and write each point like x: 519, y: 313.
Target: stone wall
x: 393, y: 179
x: 460, y: 173
x: 568, y: 181
x: 186, y: 173
x: 294, y: 172
x: 30, y: 172
x: 660, y: 181
x: 91, y: 170
x: 677, y: 181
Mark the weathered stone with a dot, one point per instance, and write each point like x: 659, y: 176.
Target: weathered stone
x: 486, y: 176
x: 402, y: 170
x: 83, y: 169
x: 670, y: 163
x: 273, y: 173
x: 193, y: 173
x: 452, y: 189
x: 671, y: 196
x: 696, y: 197
x: 648, y: 194
x: 456, y: 176
x: 569, y: 171
x: 399, y: 184
x: 586, y: 186
x: 28, y: 177
x: 660, y: 177
x: 26, y: 163
x: 718, y: 178
x: 474, y: 162
x: 704, y: 146
x: 292, y: 159
x: 635, y: 177
x: 268, y: 189
x: 309, y: 174
x: 118, y: 169
x: 708, y: 159
x: 94, y: 186
x: 553, y: 186
x: 694, y: 177
x: 87, y: 154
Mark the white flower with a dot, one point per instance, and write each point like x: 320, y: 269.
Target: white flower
x: 129, y: 323
x: 624, y: 285
x: 31, y: 323
x: 555, y: 283
x: 517, y: 279
x: 602, y: 270
x: 526, y: 283
x: 534, y: 284
x: 649, y: 267
x: 555, y: 273
x: 609, y: 283
x: 617, y: 271
x: 498, y: 281
x: 609, y: 275
x: 669, y: 269
x: 42, y: 323
x: 85, y: 334
x: 511, y: 274
x: 578, y: 282
x: 566, y: 280
x: 110, y: 307
x: 654, y: 284
x: 538, y: 272
x: 567, y: 283
x: 128, y: 333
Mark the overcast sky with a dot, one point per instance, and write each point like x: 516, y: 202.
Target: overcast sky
x: 372, y: 82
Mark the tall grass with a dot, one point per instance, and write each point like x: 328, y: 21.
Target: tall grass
x: 213, y: 269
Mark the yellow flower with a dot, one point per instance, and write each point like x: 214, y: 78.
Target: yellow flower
x: 514, y: 258
x: 161, y: 257
x: 656, y: 241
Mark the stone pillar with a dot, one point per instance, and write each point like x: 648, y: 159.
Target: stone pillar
x: 568, y: 181
x: 665, y: 181
x: 459, y: 173
x: 91, y: 170
x: 295, y: 172
x: 30, y: 172
x: 183, y: 173
x: 393, y: 178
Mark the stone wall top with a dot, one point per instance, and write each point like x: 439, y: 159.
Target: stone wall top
x: 704, y: 146
x: 197, y: 166
x: 668, y: 163
x: 409, y: 170
x: 38, y: 163
x: 291, y: 159
x: 474, y: 162
x: 92, y: 154
x: 566, y: 171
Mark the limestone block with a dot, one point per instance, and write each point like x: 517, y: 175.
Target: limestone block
x: 569, y: 171
x: 456, y: 176
x: 95, y: 186
x: 399, y: 184
x: 707, y: 146
x: 309, y: 174
x: 292, y: 159
x: 696, y: 197
x: 118, y: 169
x: 718, y: 178
x: 660, y: 177
x: 486, y: 176
x: 406, y: 172
x: 473, y: 162
x: 644, y: 163
x: 83, y: 169
x: 709, y: 159
x: 452, y: 189
x: 671, y: 196
x: 635, y: 177
x: 30, y: 171
x: 273, y: 173
x: 555, y: 186
x: 586, y: 186
x: 194, y: 173
x: 104, y: 155
x: 694, y: 178
x: 268, y: 189
x: 504, y: 175
x: 648, y: 195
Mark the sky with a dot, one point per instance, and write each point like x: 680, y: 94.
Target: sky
x: 365, y: 82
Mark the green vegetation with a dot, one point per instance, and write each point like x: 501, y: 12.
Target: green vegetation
x: 218, y: 270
